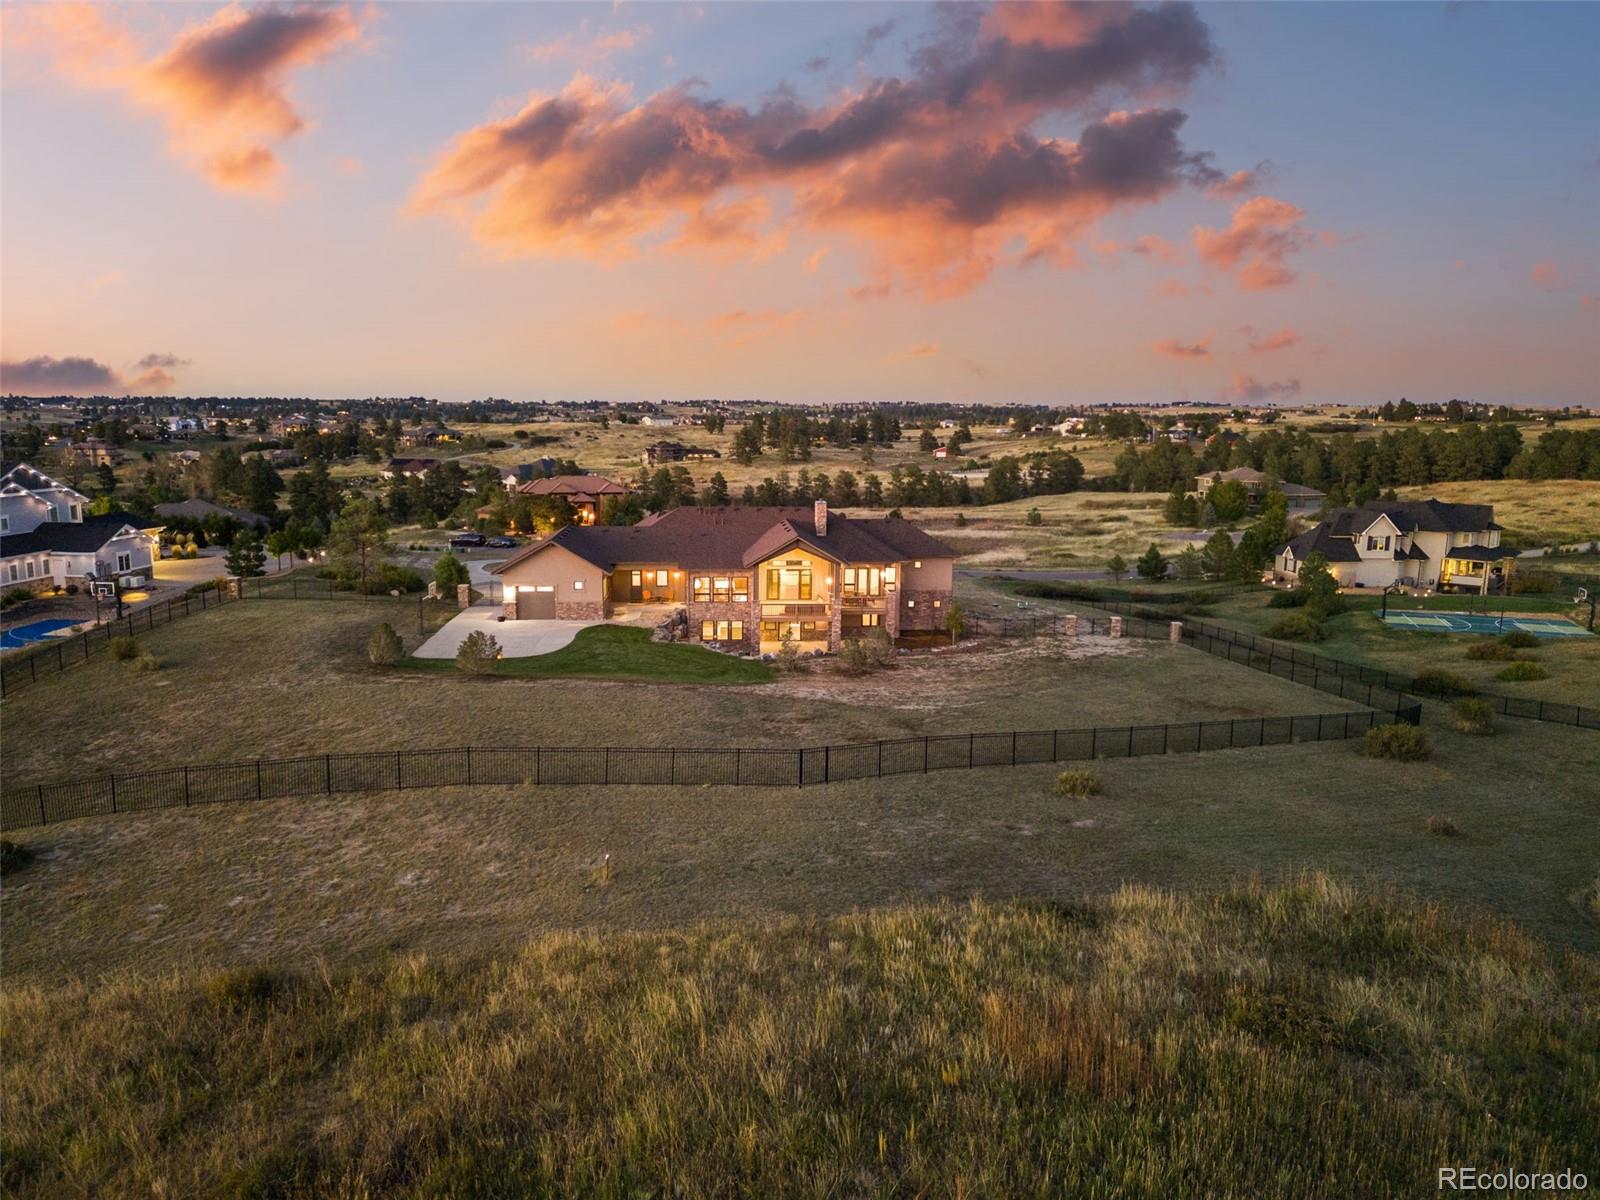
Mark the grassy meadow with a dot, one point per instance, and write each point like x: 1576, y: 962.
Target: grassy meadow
x: 279, y: 677
x: 1301, y: 1039
x: 1533, y: 512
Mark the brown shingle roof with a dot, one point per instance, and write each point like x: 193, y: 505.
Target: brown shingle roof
x: 712, y: 538
x: 573, y: 485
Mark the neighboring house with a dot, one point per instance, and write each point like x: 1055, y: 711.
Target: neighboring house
x: 670, y: 452
x: 747, y: 576
x: 584, y: 493
x: 660, y: 421
x: 428, y: 435
x: 941, y: 451
x: 1300, y: 499
x: 47, y: 536
x: 418, y: 467
x: 199, y: 510
x: 94, y: 452
x: 1413, y: 543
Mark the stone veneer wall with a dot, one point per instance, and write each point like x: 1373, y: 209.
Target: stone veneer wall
x: 580, y: 610
x: 728, y: 610
x: 924, y: 615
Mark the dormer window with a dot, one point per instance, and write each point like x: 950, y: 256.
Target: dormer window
x: 1377, y: 543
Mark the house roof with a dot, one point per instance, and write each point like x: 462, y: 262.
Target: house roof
x: 1335, y: 536
x: 1318, y: 539
x: 412, y: 464
x: 715, y: 538
x: 72, y: 537
x: 1476, y: 553
x: 574, y: 485
x: 33, y: 480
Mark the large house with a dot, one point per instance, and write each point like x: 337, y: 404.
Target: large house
x: 1412, y: 543
x: 746, y: 575
x: 584, y: 493
x: 47, y: 536
x: 1297, y: 497
x: 669, y: 452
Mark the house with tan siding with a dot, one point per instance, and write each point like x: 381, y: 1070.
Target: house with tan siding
x: 746, y: 576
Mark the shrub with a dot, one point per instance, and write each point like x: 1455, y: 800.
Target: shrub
x: 1296, y: 627
x: 242, y: 987
x: 1034, y: 517
x: 1441, y: 826
x: 1519, y: 639
x: 1474, y: 717
x: 15, y: 595
x: 1292, y: 599
x: 1492, y: 650
x: 1434, y: 682
x: 1077, y: 782
x: 478, y: 652
x: 1532, y: 583
x: 125, y: 649
x: 853, y: 658
x: 72, y: 589
x: 13, y: 855
x: 449, y: 572
x: 788, y: 652
x: 145, y: 662
x: 1523, y: 672
x: 879, y: 648
x: 1402, y: 742
x: 383, y: 647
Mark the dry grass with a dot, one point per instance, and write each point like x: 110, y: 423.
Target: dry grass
x: 272, y: 678
x: 1253, y: 1041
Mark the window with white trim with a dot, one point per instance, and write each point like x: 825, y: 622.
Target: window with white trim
x: 124, y: 561
x: 29, y: 566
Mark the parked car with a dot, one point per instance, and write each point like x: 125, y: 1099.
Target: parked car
x: 465, y: 541
x: 500, y: 543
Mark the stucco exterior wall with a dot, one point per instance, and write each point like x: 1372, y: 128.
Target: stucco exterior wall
x: 555, y: 566
x: 934, y: 575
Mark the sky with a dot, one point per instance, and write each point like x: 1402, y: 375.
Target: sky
x: 1019, y: 202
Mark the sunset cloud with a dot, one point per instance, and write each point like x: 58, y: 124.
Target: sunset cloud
x: 922, y: 350
x: 1173, y: 348
x: 1250, y: 390
x: 221, y: 87
x: 1263, y: 233
x: 1240, y: 183
x: 587, y: 48
x: 1546, y: 275
x: 77, y: 375
x: 935, y: 174
x: 1158, y: 249
x: 1281, y: 340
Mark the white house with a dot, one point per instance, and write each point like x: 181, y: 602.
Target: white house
x: 1413, y: 543
x: 46, y: 535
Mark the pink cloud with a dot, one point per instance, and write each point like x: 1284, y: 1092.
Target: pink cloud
x: 934, y: 174
x: 1545, y: 274
x: 1158, y: 248
x: 922, y: 350
x: 1173, y: 348
x: 1281, y: 340
x: 1240, y: 183
x: 1263, y: 232
x: 79, y: 375
x: 586, y: 48
x: 221, y: 87
x: 1250, y: 390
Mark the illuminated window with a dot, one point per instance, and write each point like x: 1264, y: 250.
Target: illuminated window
x: 863, y: 581
x: 701, y: 585
x: 577, y: 585
x: 917, y: 564
x: 741, y: 589
x: 722, y: 631
x: 911, y: 603
x: 938, y: 603
x: 661, y: 578
x: 871, y: 620
x: 789, y: 583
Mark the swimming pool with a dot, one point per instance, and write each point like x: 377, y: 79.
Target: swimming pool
x: 1454, y: 622
x: 34, y: 631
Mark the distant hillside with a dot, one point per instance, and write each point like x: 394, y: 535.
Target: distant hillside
x: 1295, y: 1041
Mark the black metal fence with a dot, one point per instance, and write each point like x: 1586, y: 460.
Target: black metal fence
x: 1306, y: 666
x: 537, y: 766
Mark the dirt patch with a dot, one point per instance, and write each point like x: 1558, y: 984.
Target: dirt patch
x: 956, y: 678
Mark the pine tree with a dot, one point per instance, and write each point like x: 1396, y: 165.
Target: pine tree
x: 246, y: 558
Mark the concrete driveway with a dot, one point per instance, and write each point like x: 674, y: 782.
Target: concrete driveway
x: 518, y: 639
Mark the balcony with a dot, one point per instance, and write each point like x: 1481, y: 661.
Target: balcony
x: 867, y: 602
x: 803, y: 611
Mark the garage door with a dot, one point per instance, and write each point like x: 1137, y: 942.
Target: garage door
x: 536, y: 606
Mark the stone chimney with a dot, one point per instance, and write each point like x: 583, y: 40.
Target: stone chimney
x: 819, y: 517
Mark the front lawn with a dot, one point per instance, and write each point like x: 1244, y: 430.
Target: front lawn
x: 616, y: 652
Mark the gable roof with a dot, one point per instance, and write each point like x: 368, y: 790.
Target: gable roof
x: 31, y: 479
x: 717, y: 538
x: 573, y: 485
x: 72, y: 537
x: 1411, y: 516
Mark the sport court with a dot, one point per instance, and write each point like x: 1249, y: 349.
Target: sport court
x: 1453, y: 622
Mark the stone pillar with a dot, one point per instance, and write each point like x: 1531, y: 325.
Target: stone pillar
x: 1116, y: 627
x: 234, y: 587
x: 463, y: 595
x: 508, y: 608
x: 1072, y: 625
x: 433, y: 589
x: 1175, y: 631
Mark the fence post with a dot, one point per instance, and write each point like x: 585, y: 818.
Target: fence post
x: 327, y: 773
x: 924, y: 754
x: 469, y: 766
x: 1094, y: 742
x: 538, y: 764
x: 42, y: 821
x: 1166, y: 732
x: 827, y: 764
x: 113, y: 792
x: 186, y: 786
x: 399, y: 781
x: 672, y: 770
x: 608, y: 765
x: 258, y: 779
x: 799, y: 766
x: 1013, y: 747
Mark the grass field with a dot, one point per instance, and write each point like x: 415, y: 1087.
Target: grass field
x: 276, y: 677
x: 614, y: 652
x: 1252, y: 1041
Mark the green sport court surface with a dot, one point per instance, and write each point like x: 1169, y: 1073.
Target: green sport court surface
x: 1452, y: 622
